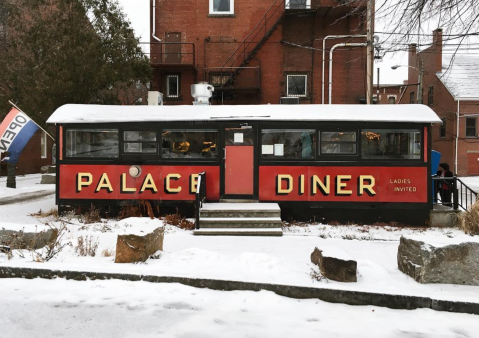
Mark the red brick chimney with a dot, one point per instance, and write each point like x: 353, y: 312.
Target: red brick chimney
x: 412, y: 60
x: 437, y: 47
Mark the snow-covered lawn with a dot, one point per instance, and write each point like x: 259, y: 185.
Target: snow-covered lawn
x: 25, y: 184
x: 280, y: 260
x: 60, y: 308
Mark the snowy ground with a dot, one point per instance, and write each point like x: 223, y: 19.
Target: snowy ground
x: 46, y: 308
x: 25, y: 184
x: 60, y: 308
x: 281, y: 260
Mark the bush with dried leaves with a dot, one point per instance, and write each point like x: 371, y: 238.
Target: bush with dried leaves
x: 86, y: 246
x: 469, y: 220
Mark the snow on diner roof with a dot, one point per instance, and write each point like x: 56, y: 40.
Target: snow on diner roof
x: 72, y: 113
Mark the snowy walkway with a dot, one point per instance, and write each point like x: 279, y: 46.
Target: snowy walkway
x: 60, y: 308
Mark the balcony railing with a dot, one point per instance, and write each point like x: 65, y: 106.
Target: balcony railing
x: 225, y: 78
x: 172, y: 53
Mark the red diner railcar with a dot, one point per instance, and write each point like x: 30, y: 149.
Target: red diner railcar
x: 345, y: 163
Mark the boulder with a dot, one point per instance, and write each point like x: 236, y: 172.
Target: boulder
x: 48, y: 179
x: 27, y: 240
x: 48, y: 169
x: 134, y: 248
x: 449, y: 264
x: 335, y: 264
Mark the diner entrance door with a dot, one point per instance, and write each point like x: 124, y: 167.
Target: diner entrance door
x: 238, y: 161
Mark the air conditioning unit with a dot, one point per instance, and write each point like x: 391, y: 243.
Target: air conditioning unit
x: 155, y: 98
x: 289, y: 100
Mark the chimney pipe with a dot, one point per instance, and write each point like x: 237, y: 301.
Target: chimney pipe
x: 437, y: 43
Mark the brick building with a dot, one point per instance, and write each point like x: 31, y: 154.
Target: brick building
x: 257, y: 52
x: 389, y: 93
x: 451, y: 89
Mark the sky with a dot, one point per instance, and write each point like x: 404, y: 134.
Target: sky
x: 138, y: 12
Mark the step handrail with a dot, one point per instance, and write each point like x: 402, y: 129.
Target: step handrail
x: 462, y: 195
x: 200, y: 196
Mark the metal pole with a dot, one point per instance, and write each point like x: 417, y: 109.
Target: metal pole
x: 455, y: 194
x: 370, y: 51
x: 377, y: 89
x: 419, y: 91
x: 457, y: 135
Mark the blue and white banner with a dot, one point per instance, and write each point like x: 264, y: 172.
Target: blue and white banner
x: 15, y: 132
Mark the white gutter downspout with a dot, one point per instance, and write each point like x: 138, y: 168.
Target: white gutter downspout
x: 364, y: 44
x: 457, y: 135
x: 324, y: 55
x: 154, y: 22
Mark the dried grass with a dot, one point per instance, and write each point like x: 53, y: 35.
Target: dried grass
x: 107, y: 252
x: 179, y: 221
x: 143, y: 209
x: 469, y: 220
x: 86, y: 246
x: 91, y: 216
x: 44, y: 214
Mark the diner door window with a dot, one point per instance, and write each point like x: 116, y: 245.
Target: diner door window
x: 239, y: 161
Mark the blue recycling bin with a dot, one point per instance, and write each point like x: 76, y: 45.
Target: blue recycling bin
x: 435, y: 160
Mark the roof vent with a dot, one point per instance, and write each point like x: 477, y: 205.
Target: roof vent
x: 202, y: 92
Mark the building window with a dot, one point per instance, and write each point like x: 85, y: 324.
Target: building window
x: 471, y: 127
x: 222, y: 7
x: 298, y: 4
x: 392, y: 99
x: 297, y: 85
x: 442, y: 129
x: 288, y: 143
x: 43, y: 145
x: 172, y: 85
x: 189, y: 143
x: 337, y: 143
x: 98, y: 143
x: 430, y: 96
x: 391, y: 144
x: 411, y: 98
x: 140, y: 142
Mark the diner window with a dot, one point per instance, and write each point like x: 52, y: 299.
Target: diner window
x: 430, y: 96
x: 383, y: 144
x: 471, y: 127
x: 411, y: 98
x: 189, y: 143
x: 442, y: 129
x: 173, y: 86
x: 288, y: 143
x: 297, y: 85
x: 222, y: 7
x: 92, y: 143
x: 140, y: 142
x: 43, y: 145
x: 338, y: 143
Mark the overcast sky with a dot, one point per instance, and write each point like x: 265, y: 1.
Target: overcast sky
x: 138, y: 13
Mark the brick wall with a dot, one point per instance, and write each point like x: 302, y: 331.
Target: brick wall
x: 216, y: 38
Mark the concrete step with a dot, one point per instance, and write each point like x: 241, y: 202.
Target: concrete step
x: 239, y: 232
x: 241, y: 222
x: 204, y: 214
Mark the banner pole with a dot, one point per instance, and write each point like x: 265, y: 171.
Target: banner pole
x: 46, y: 132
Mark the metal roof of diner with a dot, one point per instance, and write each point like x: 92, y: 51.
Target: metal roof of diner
x: 74, y: 113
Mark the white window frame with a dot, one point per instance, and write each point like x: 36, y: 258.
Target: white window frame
x: 305, y: 85
x: 43, y: 145
x: 168, y: 77
x: 308, y: 4
x: 231, y: 11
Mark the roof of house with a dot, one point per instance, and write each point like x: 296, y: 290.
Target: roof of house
x: 461, y: 77
x: 72, y: 113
